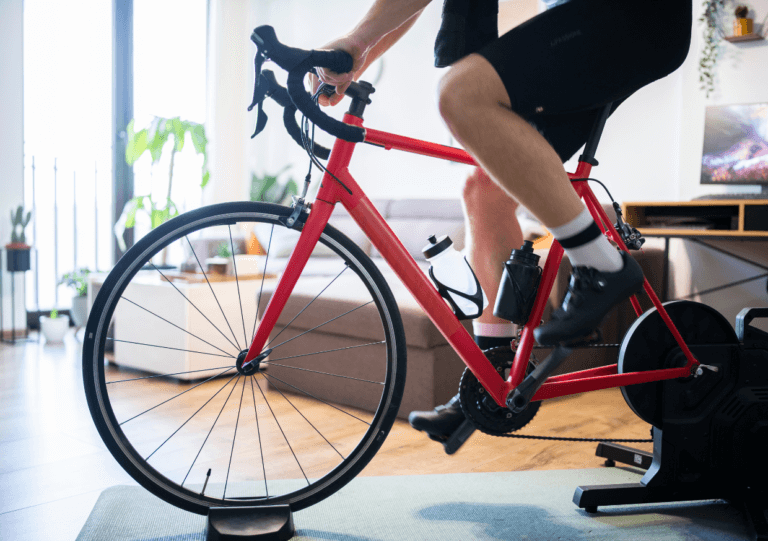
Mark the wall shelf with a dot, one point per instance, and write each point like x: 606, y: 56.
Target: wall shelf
x: 748, y: 37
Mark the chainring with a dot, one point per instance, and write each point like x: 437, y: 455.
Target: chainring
x: 649, y: 345
x: 481, y: 409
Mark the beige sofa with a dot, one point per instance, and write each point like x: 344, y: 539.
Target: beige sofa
x: 434, y: 368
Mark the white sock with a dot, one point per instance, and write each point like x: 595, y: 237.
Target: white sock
x: 586, y: 245
x: 494, y: 330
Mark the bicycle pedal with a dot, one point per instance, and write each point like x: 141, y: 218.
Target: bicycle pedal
x: 459, y: 436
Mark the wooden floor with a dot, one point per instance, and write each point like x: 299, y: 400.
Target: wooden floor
x: 54, y: 465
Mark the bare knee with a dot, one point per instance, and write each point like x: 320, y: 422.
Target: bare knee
x: 470, y: 83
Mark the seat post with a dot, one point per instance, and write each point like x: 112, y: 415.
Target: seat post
x: 594, y: 136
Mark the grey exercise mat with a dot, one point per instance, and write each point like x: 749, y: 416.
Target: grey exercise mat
x: 489, y: 506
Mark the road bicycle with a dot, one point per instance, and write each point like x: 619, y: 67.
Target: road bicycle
x: 182, y: 443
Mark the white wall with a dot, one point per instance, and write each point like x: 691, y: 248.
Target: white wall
x: 11, y: 143
x: 742, y: 77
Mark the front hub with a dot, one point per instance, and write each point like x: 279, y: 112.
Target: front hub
x: 253, y: 366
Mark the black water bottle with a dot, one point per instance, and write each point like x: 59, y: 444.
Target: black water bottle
x: 519, y: 285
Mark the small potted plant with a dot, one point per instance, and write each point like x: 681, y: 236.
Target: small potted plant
x: 220, y: 263
x: 18, y: 259
x: 54, y: 327
x: 742, y: 25
x: 78, y: 281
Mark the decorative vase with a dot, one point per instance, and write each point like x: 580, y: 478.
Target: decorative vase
x: 742, y: 27
x: 79, y: 311
x: 18, y: 258
x: 54, y: 329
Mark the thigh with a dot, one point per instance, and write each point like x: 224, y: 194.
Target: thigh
x: 561, y: 67
x: 586, y: 53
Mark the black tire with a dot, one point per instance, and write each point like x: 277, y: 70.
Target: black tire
x: 123, y: 448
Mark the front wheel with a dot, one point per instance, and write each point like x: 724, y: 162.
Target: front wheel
x: 177, y: 410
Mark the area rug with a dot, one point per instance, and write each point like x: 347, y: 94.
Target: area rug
x: 529, y: 505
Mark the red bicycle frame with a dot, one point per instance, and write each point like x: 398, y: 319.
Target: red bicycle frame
x: 375, y: 227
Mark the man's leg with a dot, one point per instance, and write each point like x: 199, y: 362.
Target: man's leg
x: 476, y: 107
x: 491, y: 231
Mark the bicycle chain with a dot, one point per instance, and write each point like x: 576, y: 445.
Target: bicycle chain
x: 588, y: 440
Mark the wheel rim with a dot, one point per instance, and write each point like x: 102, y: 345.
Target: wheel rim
x: 154, y: 455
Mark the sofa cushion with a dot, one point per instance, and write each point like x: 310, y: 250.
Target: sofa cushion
x: 414, y: 220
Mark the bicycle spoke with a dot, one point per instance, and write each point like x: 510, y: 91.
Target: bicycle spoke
x: 211, y: 288
x: 326, y: 373
x: 307, y: 306
x: 310, y: 423
x: 168, y: 347
x: 313, y: 396
x: 188, y: 420
x: 263, y: 275
x: 281, y: 430
x: 211, y: 430
x: 195, y: 307
x: 237, y: 281
x: 318, y: 326
x: 186, y: 331
x: 178, y: 395
x: 234, y: 438
x: 326, y: 351
x: 258, y: 431
x: 165, y: 375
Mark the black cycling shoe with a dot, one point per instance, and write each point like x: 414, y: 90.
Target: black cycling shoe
x: 446, y: 424
x: 591, y: 295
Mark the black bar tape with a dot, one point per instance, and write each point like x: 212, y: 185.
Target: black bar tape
x: 589, y: 234
x: 303, y: 102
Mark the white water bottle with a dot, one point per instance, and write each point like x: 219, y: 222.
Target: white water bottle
x: 454, y: 278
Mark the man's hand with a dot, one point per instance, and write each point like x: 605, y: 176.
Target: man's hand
x: 341, y: 81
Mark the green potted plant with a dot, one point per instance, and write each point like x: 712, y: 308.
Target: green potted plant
x: 713, y: 35
x: 18, y: 259
x: 78, y: 281
x: 219, y: 264
x: 54, y: 327
x: 154, y: 139
x: 742, y: 25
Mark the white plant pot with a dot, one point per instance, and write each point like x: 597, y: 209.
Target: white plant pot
x: 54, y: 330
x: 217, y: 265
x: 79, y: 311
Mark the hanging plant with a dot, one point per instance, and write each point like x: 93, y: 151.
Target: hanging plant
x: 713, y: 35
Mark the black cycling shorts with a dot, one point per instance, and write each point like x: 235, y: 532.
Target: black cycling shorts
x: 562, y: 66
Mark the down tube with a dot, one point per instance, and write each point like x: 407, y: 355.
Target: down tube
x: 382, y: 237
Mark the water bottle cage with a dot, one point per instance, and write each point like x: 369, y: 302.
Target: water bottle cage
x: 476, y: 298
x: 523, y: 300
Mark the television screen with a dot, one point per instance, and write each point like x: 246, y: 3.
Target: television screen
x: 735, y: 145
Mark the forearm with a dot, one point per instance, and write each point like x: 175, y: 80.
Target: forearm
x: 385, y: 43
x: 387, y: 17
